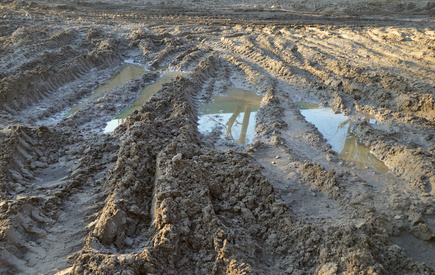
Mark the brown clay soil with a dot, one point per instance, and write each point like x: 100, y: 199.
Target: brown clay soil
x: 157, y: 196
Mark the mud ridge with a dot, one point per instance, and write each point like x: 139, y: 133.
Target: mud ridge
x: 39, y: 85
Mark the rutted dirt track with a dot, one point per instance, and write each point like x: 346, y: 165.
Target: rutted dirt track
x: 157, y: 196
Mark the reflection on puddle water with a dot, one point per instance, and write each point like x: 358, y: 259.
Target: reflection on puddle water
x: 111, y: 125
x: 234, y: 112
x: 336, y: 129
x: 148, y: 91
x: 127, y: 73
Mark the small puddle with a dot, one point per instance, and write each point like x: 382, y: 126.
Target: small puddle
x: 127, y: 73
x: 235, y: 113
x: 336, y: 129
x: 147, y: 92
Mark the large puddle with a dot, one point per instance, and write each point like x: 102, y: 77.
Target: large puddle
x: 234, y: 114
x: 336, y: 129
x: 148, y: 91
x: 127, y: 73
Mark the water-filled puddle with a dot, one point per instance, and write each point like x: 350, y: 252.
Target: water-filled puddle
x: 336, y: 129
x: 234, y: 114
x: 148, y: 91
x: 127, y: 73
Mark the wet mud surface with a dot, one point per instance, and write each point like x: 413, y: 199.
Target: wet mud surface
x: 158, y: 195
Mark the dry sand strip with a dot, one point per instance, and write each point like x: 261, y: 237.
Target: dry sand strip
x: 159, y: 195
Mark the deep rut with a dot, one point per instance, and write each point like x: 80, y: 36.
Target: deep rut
x: 156, y: 196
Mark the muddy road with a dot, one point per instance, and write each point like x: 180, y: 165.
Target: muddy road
x: 210, y: 138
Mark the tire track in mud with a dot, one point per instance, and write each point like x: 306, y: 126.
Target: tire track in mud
x: 108, y: 104
x: 171, y: 230
x: 24, y: 45
x: 289, y: 141
x: 184, y: 61
x: 179, y: 203
x: 156, y: 196
x: 302, y: 175
x: 42, y: 86
x: 41, y: 82
x: 127, y: 215
x: 44, y: 214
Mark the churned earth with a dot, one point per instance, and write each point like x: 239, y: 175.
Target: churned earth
x: 160, y: 194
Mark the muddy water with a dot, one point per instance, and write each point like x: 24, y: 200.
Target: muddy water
x: 336, y: 129
x: 127, y: 73
x: 234, y: 114
x: 144, y: 95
